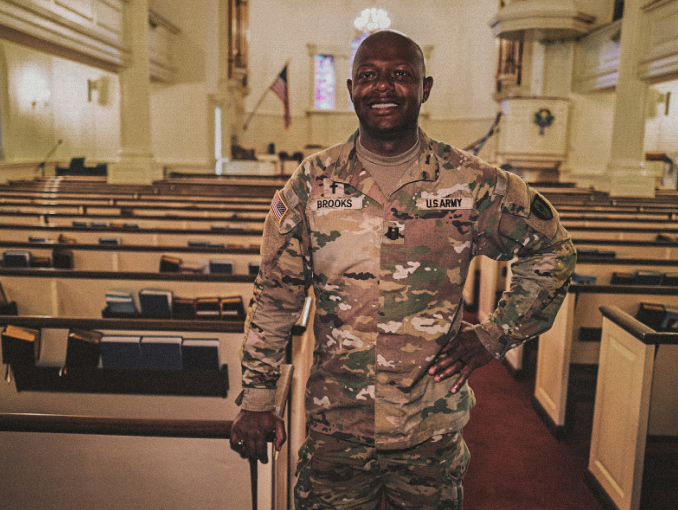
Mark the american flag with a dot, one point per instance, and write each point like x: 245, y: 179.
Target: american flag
x: 280, y: 89
x: 278, y: 206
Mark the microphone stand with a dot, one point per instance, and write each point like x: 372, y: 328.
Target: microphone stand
x: 44, y: 161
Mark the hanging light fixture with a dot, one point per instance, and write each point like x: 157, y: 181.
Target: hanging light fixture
x: 371, y: 20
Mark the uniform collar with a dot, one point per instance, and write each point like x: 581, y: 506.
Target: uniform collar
x: 349, y: 170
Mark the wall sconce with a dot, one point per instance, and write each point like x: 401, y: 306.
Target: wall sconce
x: 101, y: 86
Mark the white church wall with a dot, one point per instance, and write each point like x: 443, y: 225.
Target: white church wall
x: 46, y: 99
x: 661, y: 128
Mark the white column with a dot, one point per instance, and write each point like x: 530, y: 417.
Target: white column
x: 136, y: 163
x: 626, y: 172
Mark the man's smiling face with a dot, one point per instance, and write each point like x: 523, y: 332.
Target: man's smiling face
x: 388, y: 86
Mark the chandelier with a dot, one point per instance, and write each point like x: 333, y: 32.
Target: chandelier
x: 371, y: 20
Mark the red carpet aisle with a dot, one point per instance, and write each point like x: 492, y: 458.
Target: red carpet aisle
x: 516, y: 464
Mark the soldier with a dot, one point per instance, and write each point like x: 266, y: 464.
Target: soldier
x: 383, y: 228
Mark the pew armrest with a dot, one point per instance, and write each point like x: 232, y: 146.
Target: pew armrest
x: 282, y: 394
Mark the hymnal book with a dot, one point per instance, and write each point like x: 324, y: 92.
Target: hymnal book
x: 20, y: 346
x: 169, y: 264
x: 645, y: 277
x: 130, y: 225
x: 192, y: 268
x: 200, y: 354
x: 109, y: 241
x: 62, y: 258
x: 197, y: 243
x: 221, y: 266
x: 156, y: 303
x: 232, y: 308
x: 161, y: 352
x: 651, y: 314
x: 7, y: 307
x: 670, y: 322
x: 120, y: 302
x: 41, y: 261
x: 83, y: 348
x: 595, y: 253
x: 120, y: 352
x: 253, y: 268
x: 16, y: 258
x: 66, y: 239
x: 183, y: 308
x: 99, y: 224
x: 670, y: 279
x: 37, y: 239
x: 619, y: 278
x: 207, y: 308
x: 583, y: 279
x: 79, y: 223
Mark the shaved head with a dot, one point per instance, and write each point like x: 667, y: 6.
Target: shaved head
x: 391, y: 37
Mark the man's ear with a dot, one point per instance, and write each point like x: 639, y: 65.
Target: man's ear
x: 428, y: 84
x: 349, y: 86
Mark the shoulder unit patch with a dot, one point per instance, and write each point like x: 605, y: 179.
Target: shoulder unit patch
x: 541, y: 209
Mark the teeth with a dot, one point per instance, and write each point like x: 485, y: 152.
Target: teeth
x: 384, y: 105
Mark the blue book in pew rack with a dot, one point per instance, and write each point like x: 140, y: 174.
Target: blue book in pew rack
x: 161, y: 352
x: 16, y: 258
x: 200, y: 354
x: 120, y: 351
x: 221, y: 267
x: 120, y: 302
x: 156, y: 303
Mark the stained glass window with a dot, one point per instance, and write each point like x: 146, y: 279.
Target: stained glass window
x: 325, y: 82
x: 355, y: 43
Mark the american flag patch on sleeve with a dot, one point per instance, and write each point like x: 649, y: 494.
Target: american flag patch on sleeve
x: 278, y: 206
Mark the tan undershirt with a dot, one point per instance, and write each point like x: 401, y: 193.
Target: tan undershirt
x: 387, y: 170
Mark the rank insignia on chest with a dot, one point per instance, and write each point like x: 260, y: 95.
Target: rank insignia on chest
x: 278, y: 206
x: 333, y: 189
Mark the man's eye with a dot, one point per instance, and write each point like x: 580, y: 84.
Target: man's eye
x: 402, y: 74
x: 365, y: 75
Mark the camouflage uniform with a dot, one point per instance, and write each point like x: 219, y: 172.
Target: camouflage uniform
x: 388, y: 274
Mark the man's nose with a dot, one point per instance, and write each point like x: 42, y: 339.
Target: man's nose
x: 384, y: 82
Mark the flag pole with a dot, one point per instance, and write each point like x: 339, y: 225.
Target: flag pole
x: 261, y: 99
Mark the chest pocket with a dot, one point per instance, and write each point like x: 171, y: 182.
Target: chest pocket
x: 440, y: 220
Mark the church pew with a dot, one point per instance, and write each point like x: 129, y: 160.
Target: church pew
x: 625, y: 249
x: 60, y: 293
x: 492, y: 272
x: 132, y: 236
x: 131, y: 207
x: 97, y: 257
x: 636, y: 398
x: 194, y: 419
x: 124, y: 199
x: 162, y: 219
x: 561, y: 346
x: 239, y: 186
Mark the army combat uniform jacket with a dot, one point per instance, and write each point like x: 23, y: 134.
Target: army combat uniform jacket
x: 388, y: 274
